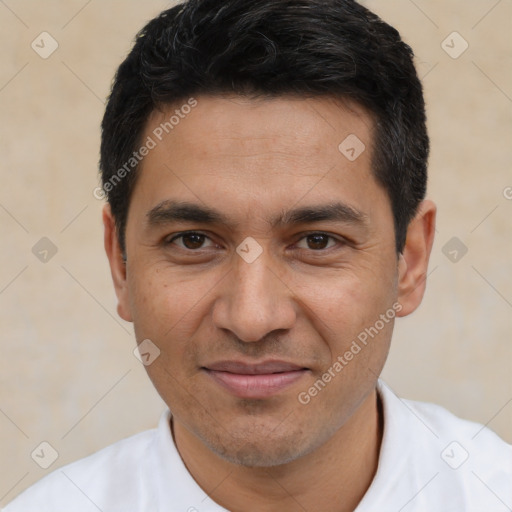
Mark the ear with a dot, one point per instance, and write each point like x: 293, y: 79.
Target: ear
x: 117, y: 264
x: 413, y: 261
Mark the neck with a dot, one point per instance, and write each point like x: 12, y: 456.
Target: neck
x: 333, y: 478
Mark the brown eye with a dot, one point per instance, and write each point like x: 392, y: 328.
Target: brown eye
x: 193, y: 241
x: 317, y: 241
x: 190, y: 240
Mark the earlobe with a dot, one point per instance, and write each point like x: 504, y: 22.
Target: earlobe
x: 413, y: 262
x: 117, y: 264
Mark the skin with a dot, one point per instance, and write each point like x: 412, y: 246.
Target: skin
x: 303, y: 300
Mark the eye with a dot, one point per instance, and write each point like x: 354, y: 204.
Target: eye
x: 317, y: 241
x: 191, y: 240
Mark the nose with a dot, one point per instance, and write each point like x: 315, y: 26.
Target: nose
x: 253, y: 301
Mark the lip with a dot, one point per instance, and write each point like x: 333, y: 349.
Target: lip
x: 259, y: 380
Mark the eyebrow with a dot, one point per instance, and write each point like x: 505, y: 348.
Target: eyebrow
x: 169, y: 211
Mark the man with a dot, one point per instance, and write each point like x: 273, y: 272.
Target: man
x: 265, y: 169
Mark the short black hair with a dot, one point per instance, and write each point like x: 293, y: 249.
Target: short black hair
x: 272, y: 48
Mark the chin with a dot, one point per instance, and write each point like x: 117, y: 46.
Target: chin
x: 261, y: 447
x: 259, y: 455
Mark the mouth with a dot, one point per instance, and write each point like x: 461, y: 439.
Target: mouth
x: 260, y: 380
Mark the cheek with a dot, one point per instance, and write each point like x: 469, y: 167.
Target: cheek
x: 163, y: 312
x: 343, y: 303
x: 346, y: 311
x: 160, y: 300
x: 151, y: 303
x: 170, y: 310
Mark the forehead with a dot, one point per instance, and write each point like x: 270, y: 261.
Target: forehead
x: 258, y: 157
x: 240, y: 126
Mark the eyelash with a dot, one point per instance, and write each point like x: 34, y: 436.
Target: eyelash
x: 321, y: 233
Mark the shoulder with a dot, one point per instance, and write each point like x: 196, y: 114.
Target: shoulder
x: 113, y: 472
x: 474, y: 464
x: 479, y: 441
x: 438, y: 460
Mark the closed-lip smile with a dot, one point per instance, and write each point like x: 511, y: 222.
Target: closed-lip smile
x: 255, y: 380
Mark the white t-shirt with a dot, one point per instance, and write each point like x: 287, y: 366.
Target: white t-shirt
x: 430, y: 461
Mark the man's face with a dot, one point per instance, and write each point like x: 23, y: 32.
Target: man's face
x: 242, y: 338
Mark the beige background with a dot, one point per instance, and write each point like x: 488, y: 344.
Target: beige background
x: 67, y: 372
